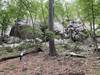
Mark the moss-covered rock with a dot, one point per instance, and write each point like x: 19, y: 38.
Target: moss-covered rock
x: 22, y: 31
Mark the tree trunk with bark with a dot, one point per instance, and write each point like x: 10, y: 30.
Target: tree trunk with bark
x: 52, y: 50
x: 93, y: 24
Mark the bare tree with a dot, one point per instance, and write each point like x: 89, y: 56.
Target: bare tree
x: 52, y: 51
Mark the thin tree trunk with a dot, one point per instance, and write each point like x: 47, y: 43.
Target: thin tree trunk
x: 2, y: 35
x: 91, y: 33
x: 52, y: 50
x: 44, y: 20
x: 93, y: 23
x: 31, y: 19
x: 91, y: 26
x: 42, y: 9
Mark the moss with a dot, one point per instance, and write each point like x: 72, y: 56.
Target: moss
x: 7, y: 51
x: 24, y: 46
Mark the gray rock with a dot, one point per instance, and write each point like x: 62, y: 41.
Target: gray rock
x: 13, y: 40
x: 22, y: 31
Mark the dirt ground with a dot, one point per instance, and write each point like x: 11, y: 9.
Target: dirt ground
x: 42, y: 64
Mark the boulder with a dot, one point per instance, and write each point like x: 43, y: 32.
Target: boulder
x: 58, y: 27
x: 13, y: 40
x: 22, y: 31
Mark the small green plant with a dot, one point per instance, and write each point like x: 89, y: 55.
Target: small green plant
x: 37, y: 33
x: 9, y: 49
x: 49, y: 34
x: 24, y: 46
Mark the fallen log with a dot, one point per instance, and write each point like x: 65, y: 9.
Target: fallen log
x: 16, y: 56
x: 76, y: 73
x: 72, y: 54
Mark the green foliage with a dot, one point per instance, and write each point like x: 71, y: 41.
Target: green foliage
x: 98, y: 33
x: 24, y: 46
x: 43, y: 27
x: 9, y: 49
x: 63, y: 11
x: 98, y: 30
x: 57, y: 36
x: 4, y: 19
x: 85, y: 9
x: 18, y: 9
x: 50, y: 34
x: 34, y: 32
x: 38, y: 10
x: 37, y: 33
x: 27, y: 28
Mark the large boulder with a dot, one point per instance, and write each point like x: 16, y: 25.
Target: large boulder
x: 58, y: 27
x: 22, y: 31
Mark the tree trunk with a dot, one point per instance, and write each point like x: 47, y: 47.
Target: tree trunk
x: 93, y: 23
x: 2, y: 34
x: 91, y: 27
x: 52, y: 50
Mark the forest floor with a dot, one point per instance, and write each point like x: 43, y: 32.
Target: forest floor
x: 42, y: 64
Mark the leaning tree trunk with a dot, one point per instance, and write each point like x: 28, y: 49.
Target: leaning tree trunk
x: 52, y: 50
